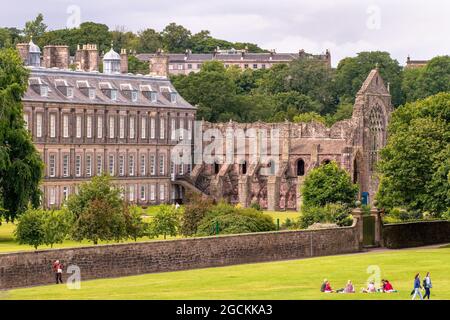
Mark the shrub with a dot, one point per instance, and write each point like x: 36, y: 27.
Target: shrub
x: 57, y: 224
x: 256, y: 206
x: 290, y: 224
x: 100, y: 221
x: 195, y: 210
x: 135, y: 225
x: 232, y: 220
x: 30, y: 229
x: 330, y: 213
x: 328, y: 184
x: 165, y: 222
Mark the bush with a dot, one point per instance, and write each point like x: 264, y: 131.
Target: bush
x: 30, y: 229
x: 328, y: 184
x: 330, y: 213
x: 165, y: 222
x: 56, y: 225
x: 233, y: 220
x: 290, y: 224
x: 100, y: 221
x: 135, y: 225
x: 195, y: 210
x: 256, y: 206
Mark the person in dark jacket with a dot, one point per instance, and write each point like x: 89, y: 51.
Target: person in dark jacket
x: 427, y: 285
x: 417, y: 287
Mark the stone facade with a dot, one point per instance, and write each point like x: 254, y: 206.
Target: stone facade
x: 179, y: 63
x: 34, y: 268
x: 354, y: 144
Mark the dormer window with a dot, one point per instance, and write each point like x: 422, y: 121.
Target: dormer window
x: 173, y: 97
x: 86, y: 89
x: 44, y: 91
x: 64, y: 87
x: 91, y: 92
x: 69, y: 92
x: 134, y: 96
x: 114, y: 95
x: 149, y: 93
x: 108, y: 90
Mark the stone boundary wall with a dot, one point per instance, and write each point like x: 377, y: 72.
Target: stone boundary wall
x: 105, y: 261
x: 416, y: 234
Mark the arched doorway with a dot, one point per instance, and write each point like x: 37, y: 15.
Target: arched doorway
x: 300, y: 167
x: 244, y: 167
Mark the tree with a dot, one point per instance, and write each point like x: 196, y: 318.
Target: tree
x: 149, y: 41
x: 328, y: 184
x: 35, y: 28
x: 351, y: 73
x: 415, y: 164
x: 30, y: 229
x: 176, y: 38
x: 309, y: 117
x: 100, y: 222
x: 56, y: 226
x: 166, y: 222
x: 420, y: 83
x: 21, y: 167
x: 99, y: 211
x: 195, y: 210
x: 135, y: 225
x: 136, y: 66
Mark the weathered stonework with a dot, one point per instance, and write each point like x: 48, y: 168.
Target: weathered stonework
x: 34, y: 268
x: 354, y: 144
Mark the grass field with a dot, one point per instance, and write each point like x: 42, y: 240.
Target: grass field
x: 8, y: 243
x: 296, y: 279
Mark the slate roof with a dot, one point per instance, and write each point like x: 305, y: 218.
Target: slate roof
x: 82, y: 81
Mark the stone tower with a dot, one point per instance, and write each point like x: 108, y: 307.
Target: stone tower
x: 159, y: 64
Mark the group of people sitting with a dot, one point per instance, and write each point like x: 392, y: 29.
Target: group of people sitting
x: 349, y: 288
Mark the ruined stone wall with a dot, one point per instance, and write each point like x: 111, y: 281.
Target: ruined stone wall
x: 34, y: 268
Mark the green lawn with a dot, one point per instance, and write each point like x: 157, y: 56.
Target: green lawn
x: 297, y: 279
x: 283, y: 215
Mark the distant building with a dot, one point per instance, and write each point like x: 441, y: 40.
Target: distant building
x: 185, y: 63
x: 415, y: 63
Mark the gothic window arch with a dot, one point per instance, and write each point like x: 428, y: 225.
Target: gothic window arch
x: 376, y: 134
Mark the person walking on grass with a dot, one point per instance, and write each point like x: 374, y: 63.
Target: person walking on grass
x: 58, y: 269
x: 427, y: 286
x: 417, y: 287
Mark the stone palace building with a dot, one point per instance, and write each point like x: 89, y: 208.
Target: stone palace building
x: 86, y: 123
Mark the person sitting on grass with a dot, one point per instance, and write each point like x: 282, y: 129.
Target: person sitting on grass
x: 328, y: 288
x: 324, y: 284
x: 387, y: 287
x: 370, y: 288
x: 349, y: 287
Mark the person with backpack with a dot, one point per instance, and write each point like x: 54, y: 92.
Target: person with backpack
x: 427, y: 285
x: 417, y: 287
x: 58, y: 269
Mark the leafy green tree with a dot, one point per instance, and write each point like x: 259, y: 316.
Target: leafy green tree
x: 100, y: 221
x: 309, y: 117
x: 137, y: 67
x: 56, y: 226
x: 195, y: 210
x: 100, y: 187
x: 35, y: 28
x: 351, y: 73
x: 149, y: 41
x: 21, y: 167
x: 166, y: 221
x: 328, y: 184
x: 135, y: 225
x: 176, y: 38
x: 415, y: 165
x: 330, y: 213
x: 314, y: 79
x: 203, y: 42
x: 30, y: 229
x: 419, y: 83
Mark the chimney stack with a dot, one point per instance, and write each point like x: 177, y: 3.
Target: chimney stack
x: 86, y: 57
x: 24, y: 49
x: 123, y: 61
x: 56, y: 56
x: 159, y: 64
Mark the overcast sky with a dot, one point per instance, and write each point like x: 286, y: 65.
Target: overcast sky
x: 417, y: 28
